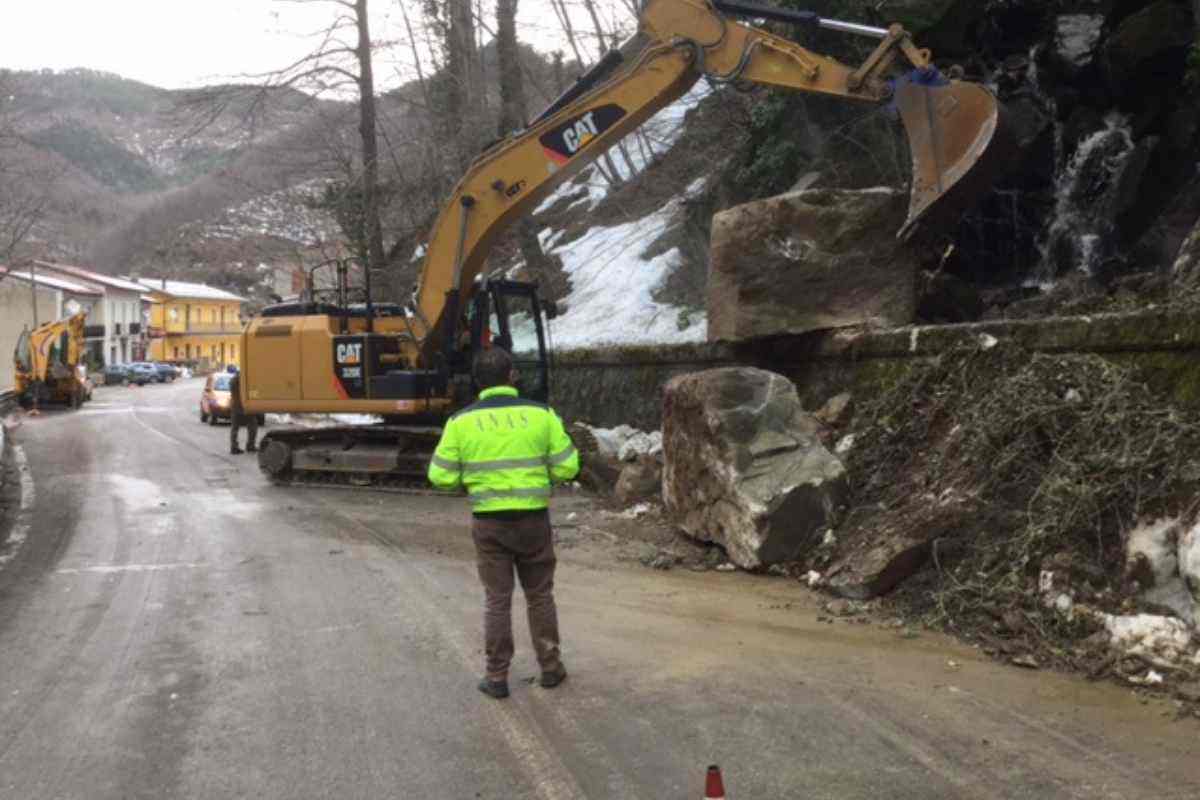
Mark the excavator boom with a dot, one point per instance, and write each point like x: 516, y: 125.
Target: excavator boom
x: 412, y: 366
x: 955, y: 129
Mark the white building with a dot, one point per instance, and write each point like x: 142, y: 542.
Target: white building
x: 56, y: 298
x: 116, y: 325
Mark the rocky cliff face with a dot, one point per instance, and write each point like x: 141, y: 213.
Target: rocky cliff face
x: 1104, y: 97
x: 1111, y: 118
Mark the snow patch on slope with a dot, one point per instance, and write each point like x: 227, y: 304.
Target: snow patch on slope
x: 282, y: 214
x: 611, y: 299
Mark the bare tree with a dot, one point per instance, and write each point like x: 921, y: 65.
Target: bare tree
x: 339, y: 63
x: 26, y: 186
x: 513, y: 111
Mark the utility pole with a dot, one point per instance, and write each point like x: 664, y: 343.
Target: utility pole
x: 37, y: 384
x: 33, y: 290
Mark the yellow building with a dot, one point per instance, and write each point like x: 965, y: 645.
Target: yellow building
x: 192, y: 322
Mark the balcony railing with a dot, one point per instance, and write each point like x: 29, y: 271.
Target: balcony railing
x: 214, y: 327
x: 93, y: 331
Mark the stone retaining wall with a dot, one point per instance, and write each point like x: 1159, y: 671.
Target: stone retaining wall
x: 614, y: 386
x: 608, y: 387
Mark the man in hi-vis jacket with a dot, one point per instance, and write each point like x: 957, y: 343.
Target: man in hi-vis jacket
x: 507, y: 451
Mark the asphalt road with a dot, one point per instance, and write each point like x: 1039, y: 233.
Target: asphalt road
x: 172, y: 626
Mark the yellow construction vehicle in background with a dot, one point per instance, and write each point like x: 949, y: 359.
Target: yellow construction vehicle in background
x: 49, y: 364
x: 412, y: 365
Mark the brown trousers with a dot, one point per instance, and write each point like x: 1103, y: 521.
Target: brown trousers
x: 524, y: 543
x: 239, y: 420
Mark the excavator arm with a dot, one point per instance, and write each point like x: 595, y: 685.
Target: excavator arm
x: 412, y: 366
x: 950, y: 124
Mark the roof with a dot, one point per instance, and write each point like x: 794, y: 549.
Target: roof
x: 93, y: 276
x: 52, y: 282
x: 189, y: 291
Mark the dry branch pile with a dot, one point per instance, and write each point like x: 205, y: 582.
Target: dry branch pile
x: 1022, y: 462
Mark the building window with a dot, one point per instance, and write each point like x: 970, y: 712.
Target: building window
x: 176, y: 353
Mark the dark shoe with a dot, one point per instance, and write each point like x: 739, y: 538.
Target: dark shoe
x: 554, y: 678
x: 251, y: 449
x: 496, y: 689
x: 235, y: 451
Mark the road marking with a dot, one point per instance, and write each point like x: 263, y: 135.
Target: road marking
x: 532, y: 747
x: 175, y: 440
x: 106, y: 569
x: 20, y: 530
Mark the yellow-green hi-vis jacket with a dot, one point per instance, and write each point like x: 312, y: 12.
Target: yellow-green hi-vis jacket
x: 506, y: 451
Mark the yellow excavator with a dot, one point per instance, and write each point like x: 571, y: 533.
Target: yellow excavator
x: 48, y: 362
x: 411, y: 365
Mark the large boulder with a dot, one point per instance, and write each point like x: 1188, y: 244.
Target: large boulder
x: 744, y: 467
x: 810, y: 260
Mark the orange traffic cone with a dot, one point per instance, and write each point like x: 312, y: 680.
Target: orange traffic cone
x: 714, y: 787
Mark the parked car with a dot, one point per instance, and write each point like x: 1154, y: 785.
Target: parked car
x: 216, y: 402
x: 150, y: 369
x: 166, y: 371
x: 116, y: 374
x: 142, y: 373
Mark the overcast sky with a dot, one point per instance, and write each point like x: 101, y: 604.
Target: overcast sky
x: 186, y: 43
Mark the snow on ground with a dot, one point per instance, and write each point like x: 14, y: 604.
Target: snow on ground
x: 322, y: 420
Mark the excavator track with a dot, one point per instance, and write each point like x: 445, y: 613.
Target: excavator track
x: 375, y: 484
x: 386, y: 458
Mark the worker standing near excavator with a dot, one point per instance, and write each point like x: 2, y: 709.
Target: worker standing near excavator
x: 238, y: 418
x: 507, y: 452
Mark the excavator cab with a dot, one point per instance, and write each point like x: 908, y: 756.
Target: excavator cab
x: 510, y: 314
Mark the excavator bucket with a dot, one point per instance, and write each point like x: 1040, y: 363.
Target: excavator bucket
x: 960, y: 144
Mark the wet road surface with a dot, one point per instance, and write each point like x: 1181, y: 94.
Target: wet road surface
x: 172, y: 626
